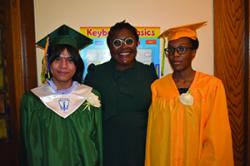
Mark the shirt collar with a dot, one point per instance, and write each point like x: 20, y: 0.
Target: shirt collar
x: 62, y: 91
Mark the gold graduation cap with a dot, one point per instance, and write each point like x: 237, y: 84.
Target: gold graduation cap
x: 65, y: 35
x: 182, y: 31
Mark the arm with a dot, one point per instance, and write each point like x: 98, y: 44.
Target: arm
x: 153, y: 72
x: 98, y: 133
x: 89, y: 79
x: 217, y: 140
x: 32, y: 148
x: 151, y: 144
x: 23, y: 124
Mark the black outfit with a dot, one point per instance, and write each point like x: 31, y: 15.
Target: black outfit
x: 126, y: 97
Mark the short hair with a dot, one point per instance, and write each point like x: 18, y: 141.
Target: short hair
x: 54, y: 52
x: 195, y: 43
x: 119, y: 26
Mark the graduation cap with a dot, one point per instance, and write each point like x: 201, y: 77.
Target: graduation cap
x: 62, y: 35
x: 65, y: 35
x: 182, y: 31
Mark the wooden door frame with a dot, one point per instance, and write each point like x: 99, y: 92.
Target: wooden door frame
x: 247, y: 54
x: 231, y: 65
x: 23, y: 55
x: 23, y: 46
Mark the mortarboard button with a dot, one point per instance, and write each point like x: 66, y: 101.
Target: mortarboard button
x: 65, y: 35
x: 182, y: 31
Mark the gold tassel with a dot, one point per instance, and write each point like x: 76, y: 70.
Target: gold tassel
x: 45, y: 69
x: 163, y: 58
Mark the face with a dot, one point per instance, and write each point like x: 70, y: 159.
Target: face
x: 180, y: 54
x: 123, y: 49
x: 63, y: 69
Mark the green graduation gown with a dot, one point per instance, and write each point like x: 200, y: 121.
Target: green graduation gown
x: 126, y: 97
x: 51, y: 140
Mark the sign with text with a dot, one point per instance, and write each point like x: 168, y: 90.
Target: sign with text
x: 98, y: 52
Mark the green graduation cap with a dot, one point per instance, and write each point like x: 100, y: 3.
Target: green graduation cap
x: 65, y: 35
x: 62, y: 35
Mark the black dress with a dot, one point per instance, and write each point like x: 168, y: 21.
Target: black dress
x: 126, y: 97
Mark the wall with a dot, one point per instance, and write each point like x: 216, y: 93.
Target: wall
x: 50, y: 14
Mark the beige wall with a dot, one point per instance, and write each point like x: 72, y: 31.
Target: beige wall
x: 49, y: 14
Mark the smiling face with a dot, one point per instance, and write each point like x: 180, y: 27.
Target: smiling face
x: 123, y: 48
x: 181, y: 58
x: 63, y: 70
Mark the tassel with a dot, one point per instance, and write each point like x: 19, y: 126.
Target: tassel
x: 163, y: 58
x: 45, y: 69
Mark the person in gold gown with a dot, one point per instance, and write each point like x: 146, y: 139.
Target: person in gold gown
x: 188, y: 121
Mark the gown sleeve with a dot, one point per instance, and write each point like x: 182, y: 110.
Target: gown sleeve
x: 148, y: 140
x: 97, y: 135
x: 217, y: 140
x: 153, y: 72
x: 23, y: 124
x: 27, y: 148
x: 89, y: 79
x: 152, y: 156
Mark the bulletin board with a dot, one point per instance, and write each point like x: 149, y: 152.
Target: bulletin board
x: 97, y: 53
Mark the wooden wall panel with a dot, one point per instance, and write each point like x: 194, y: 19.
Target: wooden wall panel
x: 28, y: 41
x: 248, y: 56
x: 25, y: 62
x: 230, y: 66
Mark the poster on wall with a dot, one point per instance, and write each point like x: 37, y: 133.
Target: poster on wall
x: 97, y: 53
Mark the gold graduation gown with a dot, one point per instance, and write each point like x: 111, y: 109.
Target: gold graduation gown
x: 196, y: 135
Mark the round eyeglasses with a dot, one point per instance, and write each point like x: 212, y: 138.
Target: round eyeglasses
x: 117, y: 43
x: 180, y: 50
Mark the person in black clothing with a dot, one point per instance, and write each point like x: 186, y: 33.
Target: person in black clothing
x: 124, y: 85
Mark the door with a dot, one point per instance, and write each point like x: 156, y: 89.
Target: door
x: 8, y: 126
x: 231, y: 61
x: 17, y: 72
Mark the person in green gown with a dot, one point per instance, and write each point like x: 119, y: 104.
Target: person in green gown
x: 61, y: 123
x: 124, y: 85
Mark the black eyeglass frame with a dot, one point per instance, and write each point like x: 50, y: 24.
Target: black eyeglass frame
x: 180, y: 50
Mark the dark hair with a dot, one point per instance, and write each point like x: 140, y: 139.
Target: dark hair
x: 119, y: 26
x: 54, y: 52
x: 195, y: 43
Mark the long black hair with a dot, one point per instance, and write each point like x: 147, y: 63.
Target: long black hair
x: 54, y: 52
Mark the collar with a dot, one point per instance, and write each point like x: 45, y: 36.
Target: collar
x: 63, y: 104
x: 62, y: 91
